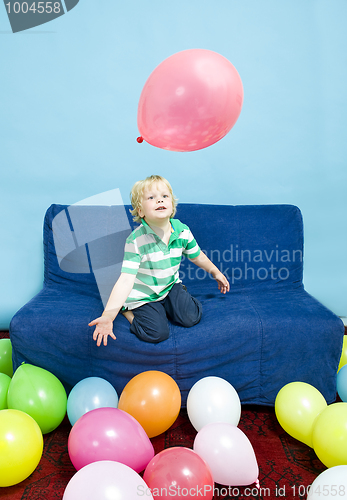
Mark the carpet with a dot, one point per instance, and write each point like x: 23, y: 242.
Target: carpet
x: 286, y: 466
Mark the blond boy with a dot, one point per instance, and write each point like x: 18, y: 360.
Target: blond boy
x: 149, y: 290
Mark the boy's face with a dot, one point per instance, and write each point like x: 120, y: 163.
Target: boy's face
x: 156, y: 203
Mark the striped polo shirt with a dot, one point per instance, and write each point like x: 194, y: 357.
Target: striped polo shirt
x: 156, y: 264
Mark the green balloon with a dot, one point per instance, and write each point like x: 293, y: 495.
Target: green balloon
x: 6, y: 357
x: 40, y: 394
x: 4, y: 385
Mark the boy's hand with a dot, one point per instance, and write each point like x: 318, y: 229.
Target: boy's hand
x: 104, y: 328
x: 223, y: 283
x: 204, y: 262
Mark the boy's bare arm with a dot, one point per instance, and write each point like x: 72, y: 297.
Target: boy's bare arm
x: 204, y: 262
x: 119, y: 294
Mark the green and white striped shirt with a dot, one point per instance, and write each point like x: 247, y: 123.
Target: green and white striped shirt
x: 156, y: 264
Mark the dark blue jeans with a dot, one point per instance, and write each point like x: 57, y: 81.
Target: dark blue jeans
x: 150, y: 321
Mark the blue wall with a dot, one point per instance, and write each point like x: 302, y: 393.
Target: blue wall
x: 69, y: 95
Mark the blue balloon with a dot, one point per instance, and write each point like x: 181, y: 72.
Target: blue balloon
x: 341, y: 383
x: 89, y: 394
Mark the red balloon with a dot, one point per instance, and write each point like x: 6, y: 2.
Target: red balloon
x: 190, y: 101
x: 179, y: 472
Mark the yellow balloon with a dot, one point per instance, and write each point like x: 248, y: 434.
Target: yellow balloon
x: 330, y: 435
x: 343, y: 359
x: 21, y: 446
x: 297, y: 406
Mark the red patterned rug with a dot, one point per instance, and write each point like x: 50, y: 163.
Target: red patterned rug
x: 286, y: 466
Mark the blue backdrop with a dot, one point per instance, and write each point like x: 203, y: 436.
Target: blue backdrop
x: 69, y: 96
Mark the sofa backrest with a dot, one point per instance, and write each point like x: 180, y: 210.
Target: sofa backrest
x: 255, y: 245
x: 84, y: 246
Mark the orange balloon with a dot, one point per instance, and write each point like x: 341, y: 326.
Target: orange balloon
x: 153, y: 399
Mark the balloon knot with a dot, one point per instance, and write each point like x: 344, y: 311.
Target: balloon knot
x: 257, y: 484
x: 139, y: 139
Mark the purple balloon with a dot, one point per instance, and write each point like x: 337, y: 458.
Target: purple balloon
x: 109, y: 434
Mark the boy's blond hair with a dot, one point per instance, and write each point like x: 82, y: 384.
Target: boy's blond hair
x: 137, y: 194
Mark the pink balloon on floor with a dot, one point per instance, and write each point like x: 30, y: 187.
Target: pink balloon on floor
x: 109, y: 434
x: 229, y: 454
x: 106, y: 480
x: 190, y: 101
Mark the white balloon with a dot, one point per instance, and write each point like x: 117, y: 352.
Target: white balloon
x: 106, y: 480
x: 330, y: 484
x: 229, y: 454
x: 213, y: 399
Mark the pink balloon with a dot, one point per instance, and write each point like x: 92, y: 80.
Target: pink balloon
x: 106, y: 480
x: 179, y: 472
x: 109, y: 434
x: 190, y: 101
x: 229, y: 454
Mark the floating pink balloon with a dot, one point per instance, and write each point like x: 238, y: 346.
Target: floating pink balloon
x: 109, y: 434
x: 190, y: 101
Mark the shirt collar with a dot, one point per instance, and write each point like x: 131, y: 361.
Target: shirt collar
x: 176, y: 228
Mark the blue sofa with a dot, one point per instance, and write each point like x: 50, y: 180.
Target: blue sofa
x: 266, y: 332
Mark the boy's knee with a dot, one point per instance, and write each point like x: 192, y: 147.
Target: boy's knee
x: 160, y: 336
x: 191, y: 320
x: 152, y: 335
x: 193, y: 316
